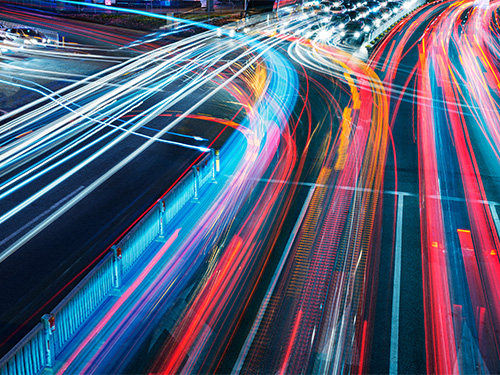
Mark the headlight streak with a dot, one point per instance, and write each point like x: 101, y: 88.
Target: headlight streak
x: 458, y: 107
x: 461, y: 266
x: 266, y: 123
x: 476, y: 313
x: 133, y: 101
x: 60, y: 26
x: 102, y: 78
x: 129, y: 105
x: 151, y: 113
x: 337, y: 334
x: 56, y: 214
x: 211, y: 301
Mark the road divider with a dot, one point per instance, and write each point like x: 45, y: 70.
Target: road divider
x: 41, y: 346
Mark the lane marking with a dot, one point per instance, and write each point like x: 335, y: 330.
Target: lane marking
x: 358, y: 189
x: 270, y: 290
x: 494, y: 214
x: 391, y: 192
x: 393, y: 363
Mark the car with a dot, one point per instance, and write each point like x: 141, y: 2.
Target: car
x: 349, y: 6
x: 337, y: 9
x: 353, y: 33
x: 316, y: 26
x: 395, y: 6
x: 3, y: 30
x: 24, y: 36
x: 353, y: 15
x: 374, y: 17
x: 385, y: 13
x: 370, y: 24
x: 353, y: 38
x: 363, y: 11
x: 373, y: 5
x: 360, y: 3
x: 354, y: 26
x: 337, y: 19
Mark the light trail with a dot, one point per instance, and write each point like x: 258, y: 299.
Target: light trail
x: 458, y: 116
x: 267, y: 113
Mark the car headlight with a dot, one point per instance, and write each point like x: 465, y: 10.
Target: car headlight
x: 341, y: 26
x: 342, y: 33
x: 357, y: 34
x: 366, y: 29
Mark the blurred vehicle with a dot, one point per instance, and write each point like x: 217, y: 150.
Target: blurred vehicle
x: 349, y: 6
x: 3, y: 29
x: 395, y: 6
x: 353, y: 38
x: 386, y: 13
x: 339, y: 21
x: 363, y: 11
x: 316, y: 26
x: 25, y: 36
x: 369, y: 24
x: 353, y: 32
x: 353, y: 15
x: 360, y: 3
x: 337, y: 9
x: 373, y: 5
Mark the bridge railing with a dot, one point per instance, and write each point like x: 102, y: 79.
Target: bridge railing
x: 41, y: 346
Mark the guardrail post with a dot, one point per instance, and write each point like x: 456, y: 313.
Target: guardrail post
x: 162, y: 217
x: 49, y: 326
x: 196, y: 176
x: 217, y: 161
x: 117, y: 266
x: 213, y: 153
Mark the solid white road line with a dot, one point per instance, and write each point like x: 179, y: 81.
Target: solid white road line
x: 393, y: 365
x: 270, y: 290
x: 494, y: 214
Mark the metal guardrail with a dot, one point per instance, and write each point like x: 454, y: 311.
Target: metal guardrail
x: 40, y: 347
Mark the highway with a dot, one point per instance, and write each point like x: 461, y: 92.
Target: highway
x: 353, y: 227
